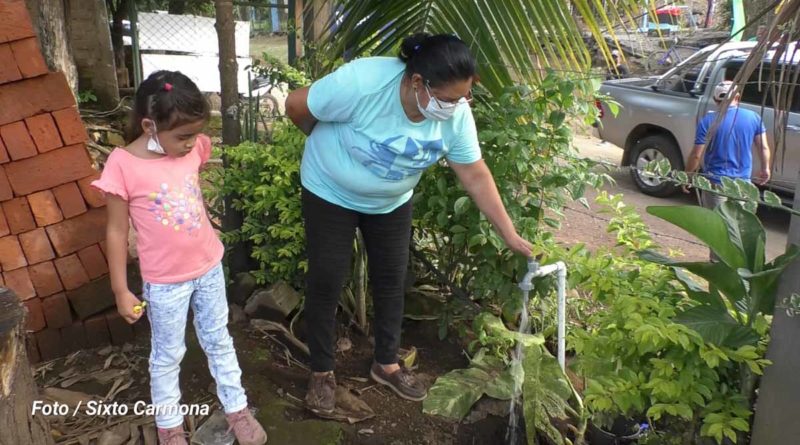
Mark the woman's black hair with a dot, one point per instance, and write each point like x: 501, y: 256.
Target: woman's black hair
x: 440, y: 59
x: 170, y: 99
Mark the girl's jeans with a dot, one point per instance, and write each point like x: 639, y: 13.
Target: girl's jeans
x: 167, y: 309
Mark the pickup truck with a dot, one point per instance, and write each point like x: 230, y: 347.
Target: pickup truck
x: 658, y: 115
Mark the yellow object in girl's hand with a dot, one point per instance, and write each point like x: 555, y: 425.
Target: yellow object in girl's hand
x: 137, y: 309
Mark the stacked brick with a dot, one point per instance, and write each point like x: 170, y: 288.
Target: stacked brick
x: 52, y: 224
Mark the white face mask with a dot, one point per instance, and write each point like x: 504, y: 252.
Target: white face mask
x: 436, y: 111
x: 153, y: 144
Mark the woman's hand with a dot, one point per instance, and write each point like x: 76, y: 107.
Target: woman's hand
x: 127, y: 305
x: 519, y: 245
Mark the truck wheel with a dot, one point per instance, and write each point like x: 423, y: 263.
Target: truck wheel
x: 654, y: 148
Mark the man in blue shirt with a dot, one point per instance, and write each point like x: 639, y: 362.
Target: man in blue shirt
x: 730, y: 151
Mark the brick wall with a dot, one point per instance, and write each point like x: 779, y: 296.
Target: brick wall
x: 52, y: 224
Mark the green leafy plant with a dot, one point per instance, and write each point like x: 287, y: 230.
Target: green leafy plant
x: 547, y: 394
x: 638, y: 358
x: 266, y: 180
x: 525, y: 138
x: 741, y: 285
x: 86, y: 97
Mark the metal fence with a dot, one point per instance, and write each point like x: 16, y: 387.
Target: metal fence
x: 188, y: 43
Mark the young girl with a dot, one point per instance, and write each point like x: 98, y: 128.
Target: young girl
x: 154, y: 183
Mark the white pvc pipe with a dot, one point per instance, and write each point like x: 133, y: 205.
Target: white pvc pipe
x: 561, y: 270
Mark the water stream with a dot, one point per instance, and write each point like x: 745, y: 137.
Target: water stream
x: 512, y: 433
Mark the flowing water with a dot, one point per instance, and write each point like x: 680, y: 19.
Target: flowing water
x: 512, y: 433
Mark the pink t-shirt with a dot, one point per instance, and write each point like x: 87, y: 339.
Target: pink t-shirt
x: 175, y: 240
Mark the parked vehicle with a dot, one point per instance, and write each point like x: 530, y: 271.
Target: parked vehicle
x: 658, y: 115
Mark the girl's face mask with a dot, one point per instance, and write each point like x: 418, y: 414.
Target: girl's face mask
x: 153, y: 144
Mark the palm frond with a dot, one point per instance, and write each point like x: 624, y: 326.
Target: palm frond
x: 514, y: 41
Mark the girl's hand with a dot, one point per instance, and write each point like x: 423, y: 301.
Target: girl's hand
x: 519, y: 245
x: 126, y: 306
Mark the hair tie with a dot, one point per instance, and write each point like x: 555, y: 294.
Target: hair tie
x: 167, y: 86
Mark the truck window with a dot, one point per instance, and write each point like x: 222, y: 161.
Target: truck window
x: 758, y: 85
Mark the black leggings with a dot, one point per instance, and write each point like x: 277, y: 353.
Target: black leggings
x: 330, y: 231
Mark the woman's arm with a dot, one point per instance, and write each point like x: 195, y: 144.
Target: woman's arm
x: 117, y: 246
x: 298, y: 112
x: 479, y: 183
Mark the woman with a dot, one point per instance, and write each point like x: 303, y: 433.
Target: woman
x: 374, y: 125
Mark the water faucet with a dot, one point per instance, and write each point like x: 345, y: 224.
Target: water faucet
x: 527, y: 281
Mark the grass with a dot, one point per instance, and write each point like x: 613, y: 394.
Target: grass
x: 276, y: 46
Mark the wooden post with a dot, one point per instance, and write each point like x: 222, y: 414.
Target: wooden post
x: 231, y: 131
x: 17, y: 389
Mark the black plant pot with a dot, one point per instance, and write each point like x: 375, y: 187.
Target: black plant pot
x: 618, y: 434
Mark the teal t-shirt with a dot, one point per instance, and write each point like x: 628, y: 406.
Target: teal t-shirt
x: 364, y: 154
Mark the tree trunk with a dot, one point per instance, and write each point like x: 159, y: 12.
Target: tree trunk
x: 709, y: 14
x: 228, y: 75
x: 117, y: 42
x: 49, y: 19
x: 17, y: 388
x: 775, y: 420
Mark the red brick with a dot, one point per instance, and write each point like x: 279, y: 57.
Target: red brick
x: 45, y: 279
x: 49, y: 170
x: 29, y: 58
x: 4, y: 230
x: 93, y: 196
x: 5, y: 187
x: 32, y: 349
x: 11, y: 256
x: 71, y: 271
x: 3, y: 153
x: 30, y: 97
x: 70, y: 199
x: 16, y: 23
x: 70, y: 125
x: 18, y: 215
x: 36, y: 246
x: 8, y: 66
x: 93, y: 261
x: 50, y: 344
x: 35, y: 320
x: 121, y: 330
x: 45, y: 208
x: 44, y: 132
x: 56, y: 311
x: 18, y: 141
x: 20, y: 282
x: 97, y: 333
x: 74, y: 337
x: 74, y: 234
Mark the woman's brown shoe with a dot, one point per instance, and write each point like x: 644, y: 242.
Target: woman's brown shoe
x: 402, y: 381
x: 321, y: 395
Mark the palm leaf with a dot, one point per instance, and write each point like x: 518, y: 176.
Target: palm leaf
x: 514, y: 41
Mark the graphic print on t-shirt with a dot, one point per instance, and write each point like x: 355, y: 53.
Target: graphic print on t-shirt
x: 178, y: 208
x: 387, y: 161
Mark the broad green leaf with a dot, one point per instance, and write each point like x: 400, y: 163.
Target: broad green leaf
x: 453, y: 394
x: 717, y: 327
x: 772, y: 198
x: 708, y: 226
x: 461, y: 205
x: 746, y: 232
x: 545, y: 392
x: 701, y: 182
x: 718, y: 275
x: 493, y: 326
